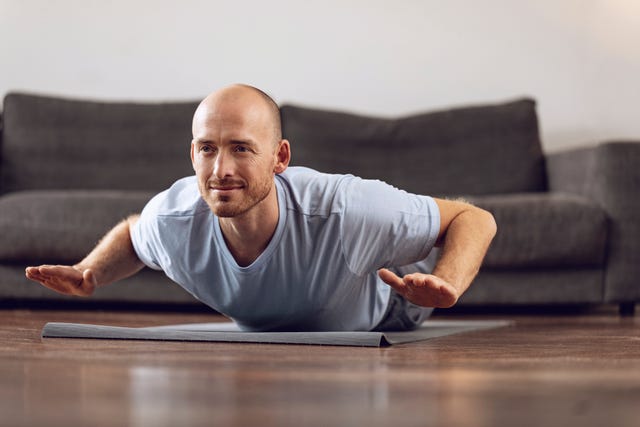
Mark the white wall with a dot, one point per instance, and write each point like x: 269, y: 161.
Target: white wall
x: 579, y: 58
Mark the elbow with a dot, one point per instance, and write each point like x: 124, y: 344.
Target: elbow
x: 490, y: 224
x: 485, y: 223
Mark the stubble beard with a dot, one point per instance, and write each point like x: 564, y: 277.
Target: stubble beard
x: 227, y: 207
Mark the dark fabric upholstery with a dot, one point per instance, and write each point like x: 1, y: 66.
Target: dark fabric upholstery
x: 60, y: 226
x: 568, y: 171
x: 536, y: 286
x: 545, y: 230
x: 486, y: 149
x: 1, y: 133
x: 52, y: 143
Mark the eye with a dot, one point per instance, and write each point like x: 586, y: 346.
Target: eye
x: 241, y: 149
x: 206, y: 149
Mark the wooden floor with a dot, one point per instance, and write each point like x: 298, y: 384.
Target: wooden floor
x: 565, y: 370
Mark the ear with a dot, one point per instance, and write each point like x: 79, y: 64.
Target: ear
x: 283, y: 156
x: 192, y: 154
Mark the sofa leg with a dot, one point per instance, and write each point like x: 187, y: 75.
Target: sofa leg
x: 627, y: 309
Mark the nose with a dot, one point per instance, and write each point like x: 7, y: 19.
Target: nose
x: 223, y: 165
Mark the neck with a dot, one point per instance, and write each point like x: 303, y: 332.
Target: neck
x: 249, y: 234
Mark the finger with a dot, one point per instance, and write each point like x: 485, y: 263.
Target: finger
x: 62, y: 279
x: 60, y: 271
x: 440, y: 293
x: 392, y: 279
x: 423, y: 280
x: 88, y: 276
x: 55, y: 285
x: 89, y: 282
x: 32, y: 273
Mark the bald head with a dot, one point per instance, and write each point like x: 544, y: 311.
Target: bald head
x: 236, y: 151
x: 241, y: 102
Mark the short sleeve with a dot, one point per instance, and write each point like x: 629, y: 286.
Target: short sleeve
x: 144, y: 236
x: 383, y: 226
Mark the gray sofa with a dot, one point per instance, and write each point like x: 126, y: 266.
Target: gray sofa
x: 569, y: 223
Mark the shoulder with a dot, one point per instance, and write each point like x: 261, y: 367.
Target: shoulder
x: 169, y: 214
x: 378, y: 201
x: 300, y: 176
x: 313, y: 192
x: 181, y: 199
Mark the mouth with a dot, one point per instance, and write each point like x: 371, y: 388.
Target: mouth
x: 226, y: 189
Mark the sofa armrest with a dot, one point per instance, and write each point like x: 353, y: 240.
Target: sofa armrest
x: 1, y: 148
x: 609, y: 174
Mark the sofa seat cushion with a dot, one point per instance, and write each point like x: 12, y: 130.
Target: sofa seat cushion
x: 545, y: 230
x: 60, y: 226
x: 534, y: 230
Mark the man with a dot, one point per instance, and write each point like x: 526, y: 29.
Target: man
x: 278, y: 248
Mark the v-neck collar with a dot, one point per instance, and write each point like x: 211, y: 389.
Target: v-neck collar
x: 271, y: 247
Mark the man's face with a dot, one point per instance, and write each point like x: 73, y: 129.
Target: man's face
x: 234, y: 155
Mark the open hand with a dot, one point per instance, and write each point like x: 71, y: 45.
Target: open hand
x: 425, y: 290
x: 64, y: 279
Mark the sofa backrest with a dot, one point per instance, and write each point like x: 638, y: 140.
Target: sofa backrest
x: 54, y: 143
x: 487, y: 149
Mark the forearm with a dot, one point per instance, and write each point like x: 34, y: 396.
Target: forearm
x: 114, y: 257
x: 464, y: 246
x: 465, y: 234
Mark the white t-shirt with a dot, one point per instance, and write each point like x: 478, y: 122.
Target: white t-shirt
x: 318, y: 272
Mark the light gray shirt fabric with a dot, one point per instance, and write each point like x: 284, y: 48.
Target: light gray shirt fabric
x: 318, y: 272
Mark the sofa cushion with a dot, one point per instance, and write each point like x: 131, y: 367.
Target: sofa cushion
x: 60, y: 226
x: 545, y: 230
x: 53, y: 143
x: 488, y: 149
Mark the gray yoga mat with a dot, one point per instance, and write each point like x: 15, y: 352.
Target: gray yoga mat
x: 229, y: 332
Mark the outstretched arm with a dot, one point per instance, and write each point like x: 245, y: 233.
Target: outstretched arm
x: 465, y: 234
x: 112, y: 259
